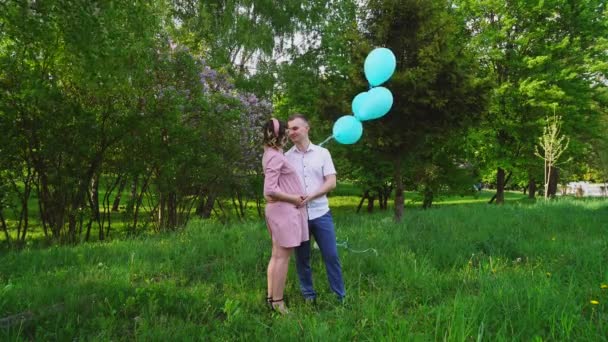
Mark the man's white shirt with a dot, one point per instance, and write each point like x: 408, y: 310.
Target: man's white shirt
x: 312, y: 167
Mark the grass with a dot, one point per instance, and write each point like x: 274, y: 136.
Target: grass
x: 457, y: 272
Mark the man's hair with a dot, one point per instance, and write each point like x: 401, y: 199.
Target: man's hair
x: 298, y: 116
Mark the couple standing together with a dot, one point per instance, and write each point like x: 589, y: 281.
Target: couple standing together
x: 295, y: 188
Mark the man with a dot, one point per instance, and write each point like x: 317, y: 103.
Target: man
x: 316, y: 170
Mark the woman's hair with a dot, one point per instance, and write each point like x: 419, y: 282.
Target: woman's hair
x: 274, y: 133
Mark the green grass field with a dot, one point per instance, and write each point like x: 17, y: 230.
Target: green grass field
x: 457, y: 272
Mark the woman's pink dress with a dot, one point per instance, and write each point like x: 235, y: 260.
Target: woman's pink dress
x: 288, y: 225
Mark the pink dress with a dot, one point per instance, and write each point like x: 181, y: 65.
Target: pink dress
x: 288, y: 225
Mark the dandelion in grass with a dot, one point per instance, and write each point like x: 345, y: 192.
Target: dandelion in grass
x: 594, y: 302
x: 548, y: 274
x: 604, y: 286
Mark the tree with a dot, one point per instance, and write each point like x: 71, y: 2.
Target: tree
x: 98, y: 93
x: 553, y: 144
x: 436, y: 93
x: 537, y: 54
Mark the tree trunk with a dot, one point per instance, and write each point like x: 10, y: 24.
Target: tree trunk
x: 161, y: 210
x: 532, y: 188
x: 133, y: 195
x: 172, y: 210
x: 365, y: 195
x: 52, y: 205
x: 399, y: 198
x: 428, y: 198
x: 370, y: 203
x: 107, y: 211
x: 500, y: 186
x: 207, y: 207
x: 387, y: 192
x: 380, y: 197
x: 258, y: 206
x: 25, y: 209
x: 201, y: 202
x: 237, y: 205
x: 94, y: 204
x: 24, y: 199
x: 40, y: 211
x: 5, y: 228
x: 121, y: 187
x: 71, y: 238
x: 139, y: 199
x: 553, y: 180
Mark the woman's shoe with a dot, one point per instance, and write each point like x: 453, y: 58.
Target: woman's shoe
x: 269, y: 302
x: 278, y: 305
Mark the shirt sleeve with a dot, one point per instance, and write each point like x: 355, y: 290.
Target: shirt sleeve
x: 328, y: 164
x: 272, y: 171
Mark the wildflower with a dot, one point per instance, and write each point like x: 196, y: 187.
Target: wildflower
x: 548, y: 274
x: 594, y: 302
x: 604, y: 286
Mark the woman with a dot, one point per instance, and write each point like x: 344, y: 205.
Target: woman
x: 286, y: 216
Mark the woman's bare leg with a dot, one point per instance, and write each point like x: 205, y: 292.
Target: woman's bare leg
x: 269, y: 274
x: 280, y: 265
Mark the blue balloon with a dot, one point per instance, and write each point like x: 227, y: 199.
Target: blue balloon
x: 347, y: 130
x: 379, y: 66
x: 378, y: 102
x: 358, y: 103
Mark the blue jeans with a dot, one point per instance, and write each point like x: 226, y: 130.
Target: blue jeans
x: 322, y: 228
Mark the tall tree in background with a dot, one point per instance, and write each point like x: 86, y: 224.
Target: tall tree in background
x: 436, y: 93
x: 538, y: 55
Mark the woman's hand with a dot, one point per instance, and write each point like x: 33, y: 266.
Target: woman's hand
x: 298, y: 201
x: 303, y: 201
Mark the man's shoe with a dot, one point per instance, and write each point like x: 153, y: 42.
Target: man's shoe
x: 310, y: 301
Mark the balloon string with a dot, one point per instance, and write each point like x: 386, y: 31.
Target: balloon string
x: 345, y: 245
x: 326, y: 140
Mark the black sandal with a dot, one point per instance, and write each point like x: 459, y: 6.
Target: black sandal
x: 269, y: 302
x: 283, y: 310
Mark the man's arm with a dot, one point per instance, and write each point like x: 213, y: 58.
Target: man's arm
x: 328, y: 185
x: 329, y: 177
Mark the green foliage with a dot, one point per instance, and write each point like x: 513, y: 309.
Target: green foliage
x: 101, y: 90
x: 538, y: 55
x: 437, y: 96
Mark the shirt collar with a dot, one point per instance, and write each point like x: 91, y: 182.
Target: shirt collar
x: 311, y: 147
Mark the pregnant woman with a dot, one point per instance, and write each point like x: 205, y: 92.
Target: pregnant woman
x: 286, y: 217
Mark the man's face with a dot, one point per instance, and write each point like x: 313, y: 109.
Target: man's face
x: 298, y: 130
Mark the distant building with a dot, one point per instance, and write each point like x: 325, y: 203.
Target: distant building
x: 584, y: 189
